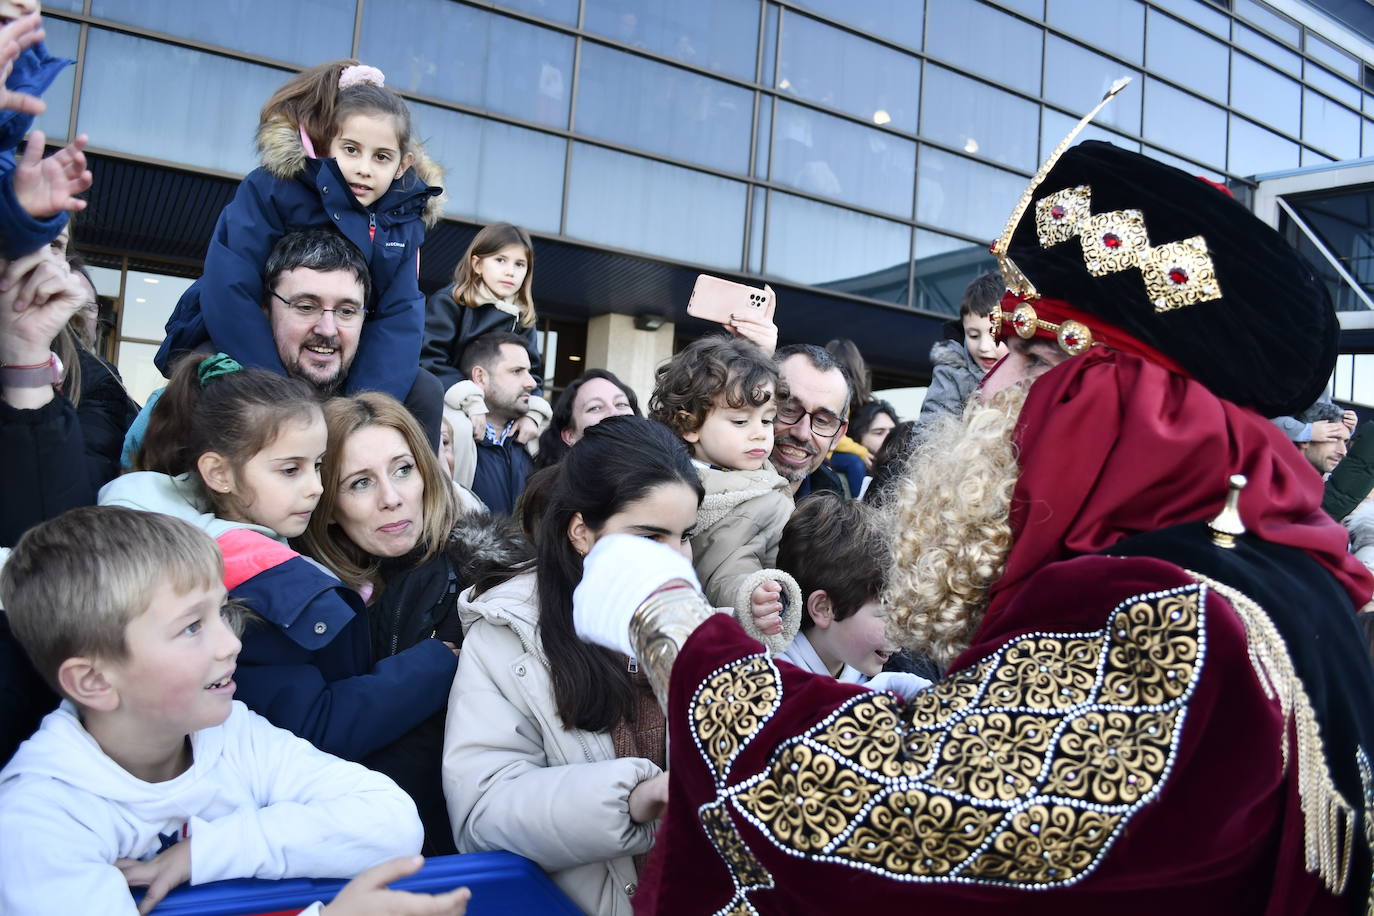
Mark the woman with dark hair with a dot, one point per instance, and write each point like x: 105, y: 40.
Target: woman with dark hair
x: 554, y: 747
x: 590, y: 398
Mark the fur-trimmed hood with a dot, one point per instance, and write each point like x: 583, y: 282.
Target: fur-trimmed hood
x: 952, y: 353
x: 282, y: 153
x: 481, y: 542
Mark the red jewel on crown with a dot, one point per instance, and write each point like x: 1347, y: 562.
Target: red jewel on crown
x: 1178, y: 276
x: 1057, y: 211
x: 1111, y: 240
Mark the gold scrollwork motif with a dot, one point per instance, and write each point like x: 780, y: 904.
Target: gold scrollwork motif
x: 1113, y: 241
x: 1367, y: 788
x: 1019, y: 770
x: 745, y: 869
x: 914, y: 832
x: 1045, y: 844
x: 730, y: 708
x: 1179, y: 274
x: 1152, y: 653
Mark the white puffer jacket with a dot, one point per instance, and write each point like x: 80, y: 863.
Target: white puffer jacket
x: 516, y: 779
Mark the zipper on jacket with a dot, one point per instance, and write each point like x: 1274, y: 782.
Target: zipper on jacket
x: 371, y: 226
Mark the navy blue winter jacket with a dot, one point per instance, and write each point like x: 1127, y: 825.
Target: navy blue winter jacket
x: 292, y: 191
x: 307, y: 665
x: 34, y: 71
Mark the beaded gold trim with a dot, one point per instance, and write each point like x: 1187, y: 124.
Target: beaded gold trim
x: 1328, y: 820
x: 1019, y: 771
x: 1367, y: 789
x: 1073, y: 337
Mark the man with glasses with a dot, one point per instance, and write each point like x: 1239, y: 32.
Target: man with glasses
x: 810, y: 420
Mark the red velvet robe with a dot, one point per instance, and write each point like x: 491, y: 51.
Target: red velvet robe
x: 1107, y: 747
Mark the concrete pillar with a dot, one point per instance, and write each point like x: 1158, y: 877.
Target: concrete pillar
x: 614, y: 343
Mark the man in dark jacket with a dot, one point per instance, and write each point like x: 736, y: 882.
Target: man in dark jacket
x: 499, y: 364
x: 810, y: 420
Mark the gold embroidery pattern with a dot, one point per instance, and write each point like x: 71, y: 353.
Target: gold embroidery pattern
x: 1175, y: 274
x: 745, y: 871
x: 731, y: 707
x: 1367, y: 786
x: 1018, y: 771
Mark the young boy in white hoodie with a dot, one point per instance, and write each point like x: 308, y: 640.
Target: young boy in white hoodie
x: 150, y: 774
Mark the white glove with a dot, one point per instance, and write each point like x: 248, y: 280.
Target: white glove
x: 619, y: 573
x: 903, y: 683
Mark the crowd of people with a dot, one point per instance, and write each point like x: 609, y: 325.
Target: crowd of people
x: 348, y: 590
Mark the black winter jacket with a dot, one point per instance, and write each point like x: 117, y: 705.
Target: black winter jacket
x: 450, y: 327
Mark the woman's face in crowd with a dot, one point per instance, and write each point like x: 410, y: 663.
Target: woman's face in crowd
x: 877, y: 433
x: 596, y: 400
x: 381, y: 493
x: 666, y: 514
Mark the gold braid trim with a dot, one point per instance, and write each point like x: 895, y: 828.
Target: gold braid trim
x: 1328, y: 821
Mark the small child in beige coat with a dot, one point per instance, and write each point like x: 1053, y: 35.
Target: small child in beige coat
x: 720, y: 395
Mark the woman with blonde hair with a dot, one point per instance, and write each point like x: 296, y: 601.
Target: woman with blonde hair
x: 386, y: 524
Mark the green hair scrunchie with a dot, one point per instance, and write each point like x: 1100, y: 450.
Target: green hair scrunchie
x: 214, y: 367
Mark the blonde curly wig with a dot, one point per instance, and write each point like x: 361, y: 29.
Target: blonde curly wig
x: 950, y: 529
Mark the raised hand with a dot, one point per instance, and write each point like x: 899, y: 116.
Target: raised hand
x: 15, y: 37
x: 46, y: 187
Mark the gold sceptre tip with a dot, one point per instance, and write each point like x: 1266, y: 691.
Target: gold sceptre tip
x: 1227, y: 526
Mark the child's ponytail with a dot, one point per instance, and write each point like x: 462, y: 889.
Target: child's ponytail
x: 308, y: 101
x: 212, y: 404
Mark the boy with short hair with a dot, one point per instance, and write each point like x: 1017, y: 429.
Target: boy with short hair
x: 720, y: 394
x: 149, y: 774
x: 834, y: 549
x: 959, y: 367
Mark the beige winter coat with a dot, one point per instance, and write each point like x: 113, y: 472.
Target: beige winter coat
x: 739, y: 526
x: 516, y: 779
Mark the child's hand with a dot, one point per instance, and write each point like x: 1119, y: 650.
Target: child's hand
x: 47, y: 187
x: 526, y: 429
x: 479, y: 426
x: 649, y: 798
x: 22, y: 33
x: 764, y: 333
x: 765, y: 603
x: 1350, y: 418
x: 1326, y: 430
x: 168, y: 869
x: 368, y: 895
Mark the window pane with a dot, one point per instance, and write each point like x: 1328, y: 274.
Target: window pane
x: 135, y: 363
x: 838, y: 249
x: 1310, y: 157
x: 964, y: 196
x: 132, y: 82
x: 630, y: 202
x: 1268, y: 20
x: 640, y: 102
x: 987, y: 41
x: 1255, y: 150
x: 1368, y: 132
x: 148, y: 299
x: 1333, y: 57
x: 1118, y: 31
x: 503, y: 65
x: 1271, y: 52
x: 830, y: 156
x: 496, y: 171
x: 1265, y: 94
x: 1201, y: 14
x: 1187, y: 56
x: 1185, y: 124
x: 720, y: 35
x: 756, y: 232
x: 849, y: 73
x: 62, y: 41
x: 1076, y: 79
x: 896, y: 20
x: 564, y: 11
x: 71, y: 6
x: 1329, y: 126
x: 303, y: 32
x: 944, y: 267
x: 973, y: 116
x: 1054, y: 127
x: 1032, y: 8
x: 1192, y: 168
x: 764, y: 141
x: 1331, y: 84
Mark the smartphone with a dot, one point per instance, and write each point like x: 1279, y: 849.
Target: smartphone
x: 716, y: 300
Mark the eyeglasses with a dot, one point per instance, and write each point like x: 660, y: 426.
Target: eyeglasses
x: 307, y: 309
x: 823, y: 422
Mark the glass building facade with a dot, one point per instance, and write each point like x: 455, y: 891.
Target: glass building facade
x: 867, y: 150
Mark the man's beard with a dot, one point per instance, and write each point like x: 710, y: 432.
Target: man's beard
x: 326, y: 387
x: 948, y: 521
x: 786, y: 471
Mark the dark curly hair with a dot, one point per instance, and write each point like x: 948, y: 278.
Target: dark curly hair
x: 708, y: 370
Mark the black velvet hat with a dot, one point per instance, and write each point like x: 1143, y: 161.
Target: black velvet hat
x: 1178, y: 264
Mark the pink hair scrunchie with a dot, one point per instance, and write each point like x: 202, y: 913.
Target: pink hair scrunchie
x: 357, y: 74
